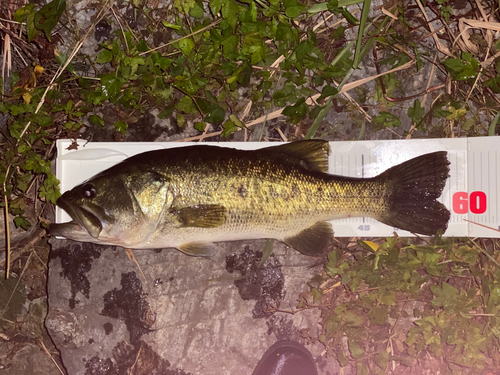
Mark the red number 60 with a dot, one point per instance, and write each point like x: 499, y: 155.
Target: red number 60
x: 476, y: 202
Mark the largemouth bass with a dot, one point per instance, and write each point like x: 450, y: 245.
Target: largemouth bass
x: 189, y: 197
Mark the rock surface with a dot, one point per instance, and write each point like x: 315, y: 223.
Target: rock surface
x: 186, y: 315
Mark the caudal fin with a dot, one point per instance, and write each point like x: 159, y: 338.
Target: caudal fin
x: 416, y: 184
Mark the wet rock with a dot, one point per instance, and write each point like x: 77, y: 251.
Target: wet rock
x: 262, y: 283
x: 184, y: 316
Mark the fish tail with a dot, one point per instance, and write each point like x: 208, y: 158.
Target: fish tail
x: 416, y: 185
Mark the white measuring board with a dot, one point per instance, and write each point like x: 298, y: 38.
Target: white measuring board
x: 471, y: 193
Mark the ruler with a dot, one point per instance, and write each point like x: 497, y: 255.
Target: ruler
x: 471, y: 193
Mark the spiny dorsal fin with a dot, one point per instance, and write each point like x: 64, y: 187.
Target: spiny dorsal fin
x: 312, y: 241
x: 201, y: 216
x: 313, y: 152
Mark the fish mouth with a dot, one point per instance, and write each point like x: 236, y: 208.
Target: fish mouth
x: 85, y: 222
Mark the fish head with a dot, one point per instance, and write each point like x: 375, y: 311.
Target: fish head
x: 113, y: 208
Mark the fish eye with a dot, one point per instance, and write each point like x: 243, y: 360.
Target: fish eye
x: 88, y: 190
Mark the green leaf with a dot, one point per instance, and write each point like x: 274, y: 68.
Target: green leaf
x: 112, y: 85
x: 303, y: 49
x: 171, y: 25
x: 319, y: 119
x: 215, y: 113
x: 163, y: 63
x: 104, y: 57
x: 50, y: 188
x: 121, y: 126
x: 237, y: 122
x: 96, y: 120
x: 229, y: 128
x: 293, y: 8
x: 23, y: 12
x: 229, y: 46
x: 464, y: 68
x: 200, y: 126
x: 186, y: 45
x: 197, y: 10
x: 48, y: 16
x: 385, y: 119
x: 316, y: 293
x: 297, y: 111
x: 328, y: 91
x: 230, y: 11
x: 22, y: 221
x: 417, y: 112
x: 186, y: 105
x: 216, y: 6
x: 356, y: 350
x: 333, y: 5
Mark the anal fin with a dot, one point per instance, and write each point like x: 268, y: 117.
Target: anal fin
x: 198, y: 249
x: 312, y: 241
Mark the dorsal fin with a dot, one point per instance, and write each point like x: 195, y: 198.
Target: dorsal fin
x: 314, y: 153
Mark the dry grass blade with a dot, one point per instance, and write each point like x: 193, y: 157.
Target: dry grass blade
x: 131, y: 256
x: 51, y: 357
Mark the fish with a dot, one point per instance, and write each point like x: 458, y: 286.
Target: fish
x: 190, y: 197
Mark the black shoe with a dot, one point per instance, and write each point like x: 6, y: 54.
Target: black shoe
x: 286, y: 358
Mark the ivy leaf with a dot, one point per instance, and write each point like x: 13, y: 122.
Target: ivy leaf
x: 50, y: 189
x: 464, y: 68
x: 121, y: 126
x: 417, y: 112
x: 22, y: 221
x: 112, y: 85
x: 385, y: 119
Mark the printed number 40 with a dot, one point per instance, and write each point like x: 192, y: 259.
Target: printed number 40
x: 475, y: 202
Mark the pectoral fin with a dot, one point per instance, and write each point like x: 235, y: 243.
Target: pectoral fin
x: 312, y: 241
x: 201, y: 216
x: 198, y: 249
